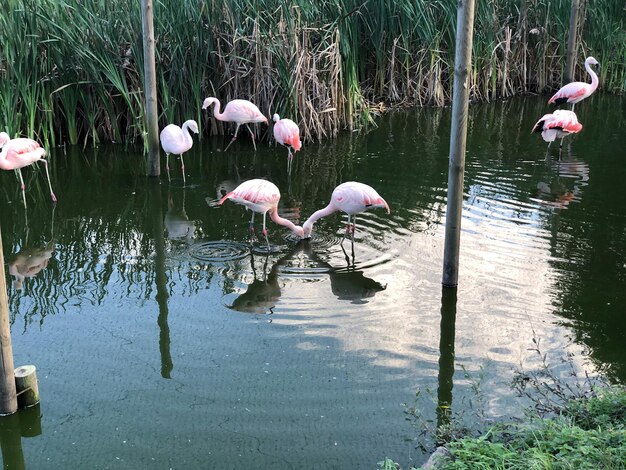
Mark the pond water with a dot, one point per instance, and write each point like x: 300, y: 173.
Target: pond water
x: 164, y: 339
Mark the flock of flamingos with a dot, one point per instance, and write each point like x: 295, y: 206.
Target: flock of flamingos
x: 262, y: 196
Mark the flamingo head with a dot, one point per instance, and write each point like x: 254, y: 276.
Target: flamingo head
x: 592, y: 61
x: 208, y: 102
x: 298, y: 231
x: 307, y: 228
x: 4, y: 138
x: 193, y: 126
x: 275, y: 118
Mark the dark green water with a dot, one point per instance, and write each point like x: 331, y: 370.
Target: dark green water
x: 163, y: 341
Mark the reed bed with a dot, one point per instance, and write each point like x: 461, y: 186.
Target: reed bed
x: 71, y: 71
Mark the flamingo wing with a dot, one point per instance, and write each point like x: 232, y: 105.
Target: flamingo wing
x: 172, y: 139
x: 21, y: 152
x: 256, y: 194
x: 286, y: 132
x: 353, y: 197
x: 243, y: 111
x: 570, y: 93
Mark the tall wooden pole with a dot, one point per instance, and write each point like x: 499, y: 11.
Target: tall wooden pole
x: 571, y: 43
x: 458, y: 135
x: 152, y: 124
x: 8, y: 396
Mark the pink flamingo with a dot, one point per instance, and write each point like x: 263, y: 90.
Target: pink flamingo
x: 286, y: 133
x: 238, y: 111
x: 261, y: 196
x: 177, y: 141
x: 559, y: 124
x: 577, y: 91
x: 21, y: 152
x: 352, y: 198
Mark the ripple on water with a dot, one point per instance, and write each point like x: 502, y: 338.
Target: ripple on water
x: 219, y: 251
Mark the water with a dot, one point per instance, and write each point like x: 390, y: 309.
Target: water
x: 164, y: 339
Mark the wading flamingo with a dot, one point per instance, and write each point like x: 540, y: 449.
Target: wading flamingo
x: 177, y: 141
x: 21, y: 152
x: 577, y: 91
x: 352, y: 198
x: 237, y: 111
x: 558, y: 125
x: 286, y: 133
x: 261, y: 196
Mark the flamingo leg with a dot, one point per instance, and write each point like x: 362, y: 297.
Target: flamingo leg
x: 45, y: 165
x: 353, y: 230
x: 167, y: 165
x: 23, y: 186
x: 182, y: 164
x: 252, y: 135
x: 289, y: 160
x: 234, y: 137
x: 265, y: 231
x: 252, y: 223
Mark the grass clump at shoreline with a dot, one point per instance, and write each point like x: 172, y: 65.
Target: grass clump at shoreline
x: 588, y: 434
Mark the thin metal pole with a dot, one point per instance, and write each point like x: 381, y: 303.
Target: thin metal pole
x: 147, y: 16
x: 458, y: 135
x: 8, y: 396
x: 571, y: 43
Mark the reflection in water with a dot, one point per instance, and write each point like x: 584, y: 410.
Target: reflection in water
x: 262, y: 294
x: 161, y: 278
x: 177, y: 222
x: 25, y: 423
x: 28, y: 262
x: 446, y: 356
x: 572, y: 175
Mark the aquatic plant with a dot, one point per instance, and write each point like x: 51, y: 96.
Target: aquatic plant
x: 71, y: 71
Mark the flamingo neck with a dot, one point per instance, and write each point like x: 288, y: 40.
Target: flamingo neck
x: 216, y: 110
x: 594, y: 76
x: 284, y: 222
x: 308, y: 225
x: 186, y: 135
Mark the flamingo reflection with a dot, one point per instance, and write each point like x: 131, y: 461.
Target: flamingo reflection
x: 29, y: 262
x: 177, y: 222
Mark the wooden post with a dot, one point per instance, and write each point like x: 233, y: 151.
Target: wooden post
x: 152, y: 123
x: 458, y: 135
x: 570, y: 59
x: 27, y: 386
x: 8, y: 396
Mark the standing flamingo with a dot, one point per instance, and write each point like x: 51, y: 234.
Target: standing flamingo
x: 21, y: 152
x: 261, y: 196
x: 352, y: 198
x: 238, y: 111
x: 577, y: 91
x: 177, y: 141
x: 286, y: 133
x: 559, y: 124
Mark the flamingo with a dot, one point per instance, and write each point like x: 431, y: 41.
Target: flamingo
x: 21, y: 152
x: 261, y: 196
x: 577, y: 91
x: 177, y: 141
x: 559, y: 124
x: 286, y: 133
x: 352, y: 198
x: 238, y: 111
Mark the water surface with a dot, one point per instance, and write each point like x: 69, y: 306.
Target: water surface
x: 165, y: 338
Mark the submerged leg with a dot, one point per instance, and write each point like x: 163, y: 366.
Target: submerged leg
x: 45, y: 165
x: 265, y: 231
x: 252, y: 135
x: 182, y: 165
x: 234, y: 137
x: 23, y: 186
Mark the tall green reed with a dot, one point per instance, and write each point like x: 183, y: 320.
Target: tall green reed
x: 72, y: 71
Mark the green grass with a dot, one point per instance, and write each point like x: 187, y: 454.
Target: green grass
x: 589, y: 434
x: 71, y: 71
